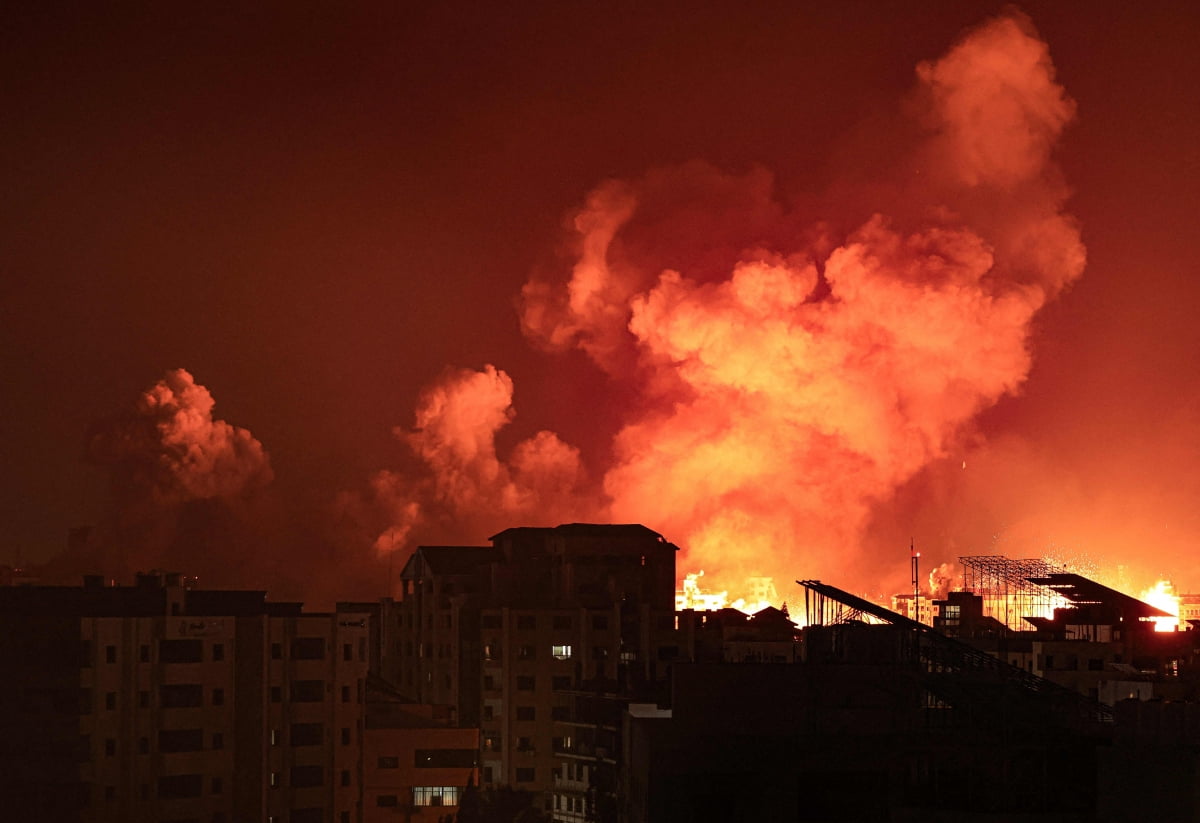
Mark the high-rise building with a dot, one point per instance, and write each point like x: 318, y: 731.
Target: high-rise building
x: 506, y: 633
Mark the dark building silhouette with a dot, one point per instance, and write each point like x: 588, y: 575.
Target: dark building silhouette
x: 508, y: 633
x: 161, y: 702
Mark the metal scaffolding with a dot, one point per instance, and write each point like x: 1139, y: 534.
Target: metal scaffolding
x: 953, y: 670
x: 1007, y: 589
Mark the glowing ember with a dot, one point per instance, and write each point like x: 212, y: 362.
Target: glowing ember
x: 1162, y: 596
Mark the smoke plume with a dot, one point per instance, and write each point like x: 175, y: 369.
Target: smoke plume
x: 184, y: 489
x: 461, y: 488
x: 793, y: 369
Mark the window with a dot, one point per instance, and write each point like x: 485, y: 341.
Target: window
x: 315, y: 815
x: 362, y: 650
x: 444, y: 758
x: 343, y: 817
x: 491, y: 651
x: 180, y: 740
x: 180, y: 651
x: 435, y: 795
x: 274, y: 780
x: 560, y: 652
x: 527, y: 622
x: 560, y: 713
x: 110, y: 792
x: 562, y: 621
x: 85, y: 701
x: 629, y: 655
x: 110, y: 654
x: 110, y: 701
x: 306, y: 734
x: 180, y: 785
x: 345, y: 777
x: 527, y: 652
x: 217, y: 785
x: 181, y: 696
x: 308, y: 648
x: 143, y: 745
x: 308, y: 691
x: 276, y: 651
x: 345, y: 737
x: 600, y: 652
x: 307, y: 776
x: 489, y: 711
x: 218, y: 740
x: 386, y: 800
x: 448, y: 621
x: 218, y: 697
x: 276, y: 694
x: 524, y: 744
x: 274, y: 737
x: 218, y: 652
x: 526, y: 713
x: 560, y: 682
x: 347, y: 651
x: 487, y: 774
x: 526, y: 682
x: 144, y: 653
x: 110, y: 747
x: 600, y: 621
x: 143, y: 700
x: 490, y: 621
x: 525, y: 775
x: 345, y: 694
x: 491, y: 743
x: 388, y: 763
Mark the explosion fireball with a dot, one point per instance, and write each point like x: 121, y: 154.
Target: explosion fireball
x: 790, y: 374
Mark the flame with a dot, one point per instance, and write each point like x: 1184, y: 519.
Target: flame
x: 786, y: 376
x: 1162, y: 596
x: 759, y: 594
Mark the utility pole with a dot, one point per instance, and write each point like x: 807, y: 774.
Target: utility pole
x: 915, y: 557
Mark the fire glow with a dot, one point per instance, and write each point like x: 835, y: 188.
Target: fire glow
x: 789, y: 372
x: 1162, y: 596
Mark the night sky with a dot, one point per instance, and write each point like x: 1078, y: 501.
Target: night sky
x: 319, y: 214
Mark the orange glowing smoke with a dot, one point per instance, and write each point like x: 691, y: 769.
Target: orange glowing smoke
x: 790, y: 375
x: 1162, y: 596
x: 170, y: 449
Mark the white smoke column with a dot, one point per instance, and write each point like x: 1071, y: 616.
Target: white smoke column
x: 803, y: 385
x: 943, y: 580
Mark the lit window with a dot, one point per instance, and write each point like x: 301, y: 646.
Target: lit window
x: 435, y: 795
x: 560, y: 652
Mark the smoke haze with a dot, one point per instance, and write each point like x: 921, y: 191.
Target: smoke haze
x: 793, y: 285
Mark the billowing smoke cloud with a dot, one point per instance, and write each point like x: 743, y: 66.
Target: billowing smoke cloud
x: 169, y: 449
x: 462, y: 488
x: 792, y: 373
x: 183, y: 484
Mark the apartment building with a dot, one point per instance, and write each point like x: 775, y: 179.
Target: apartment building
x: 162, y: 702
x: 415, y: 763
x: 505, y: 633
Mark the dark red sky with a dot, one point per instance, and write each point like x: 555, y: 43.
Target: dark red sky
x: 317, y: 212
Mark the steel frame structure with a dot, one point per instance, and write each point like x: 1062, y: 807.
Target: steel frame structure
x: 1007, y: 589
